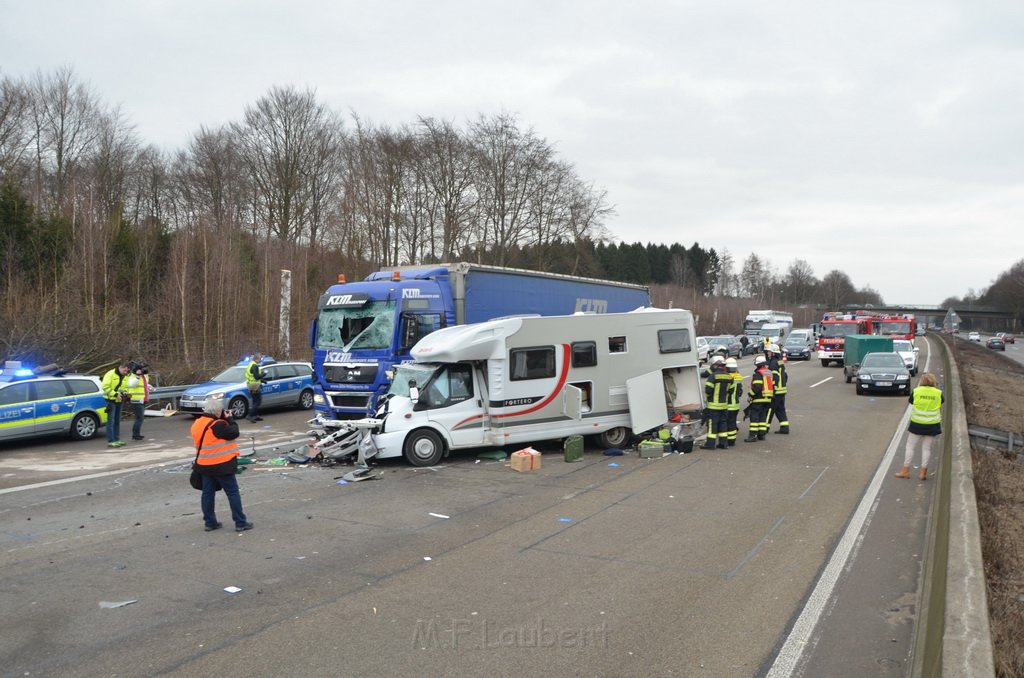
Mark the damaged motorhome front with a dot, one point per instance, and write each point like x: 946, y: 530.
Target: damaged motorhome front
x: 523, y: 379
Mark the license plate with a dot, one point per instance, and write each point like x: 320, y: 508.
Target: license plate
x: 885, y: 383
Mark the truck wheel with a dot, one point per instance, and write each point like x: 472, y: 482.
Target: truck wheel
x: 306, y: 400
x: 239, y: 407
x: 423, y: 448
x: 84, y: 426
x: 824, y: 363
x: 616, y: 437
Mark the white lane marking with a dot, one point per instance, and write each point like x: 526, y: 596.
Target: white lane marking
x: 799, y: 638
x: 820, y: 382
x: 62, y: 481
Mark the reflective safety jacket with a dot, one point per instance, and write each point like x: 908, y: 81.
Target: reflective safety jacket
x: 113, y: 382
x: 781, y: 379
x: 253, y: 376
x: 735, y: 391
x: 762, y: 387
x: 716, y: 390
x: 137, y: 386
x: 214, y: 439
x: 927, y: 401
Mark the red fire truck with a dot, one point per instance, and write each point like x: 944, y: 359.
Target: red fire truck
x: 897, y: 326
x: 835, y: 327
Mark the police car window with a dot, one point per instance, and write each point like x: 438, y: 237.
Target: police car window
x: 13, y: 394
x: 51, y: 389
x: 272, y: 372
x: 304, y: 370
x: 285, y: 371
x: 82, y: 386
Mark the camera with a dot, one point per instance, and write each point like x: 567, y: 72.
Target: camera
x: 137, y: 365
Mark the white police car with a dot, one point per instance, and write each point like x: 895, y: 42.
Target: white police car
x: 47, y: 401
x: 284, y: 384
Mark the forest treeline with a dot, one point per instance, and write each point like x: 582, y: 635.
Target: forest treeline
x: 110, y: 246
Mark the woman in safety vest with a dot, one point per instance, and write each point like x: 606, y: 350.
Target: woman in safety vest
x: 213, y: 434
x: 925, y: 424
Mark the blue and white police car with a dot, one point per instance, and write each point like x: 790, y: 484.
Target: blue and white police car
x: 46, y: 401
x: 287, y: 383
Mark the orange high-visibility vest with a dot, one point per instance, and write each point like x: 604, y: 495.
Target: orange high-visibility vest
x: 214, y: 450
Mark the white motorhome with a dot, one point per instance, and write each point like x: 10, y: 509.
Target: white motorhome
x: 523, y: 379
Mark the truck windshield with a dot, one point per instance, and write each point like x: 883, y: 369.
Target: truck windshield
x: 839, y: 329
x: 419, y: 373
x: 371, y: 326
x: 886, y: 328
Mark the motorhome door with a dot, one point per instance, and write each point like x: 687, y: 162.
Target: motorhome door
x: 646, y: 396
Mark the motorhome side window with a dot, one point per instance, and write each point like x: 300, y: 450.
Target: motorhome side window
x: 674, y: 341
x: 616, y: 344
x: 584, y: 354
x: 532, y: 363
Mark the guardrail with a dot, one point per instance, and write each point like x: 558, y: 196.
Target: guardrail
x: 171, y: 393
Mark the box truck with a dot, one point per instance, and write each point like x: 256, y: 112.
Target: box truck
x: 362, y: 329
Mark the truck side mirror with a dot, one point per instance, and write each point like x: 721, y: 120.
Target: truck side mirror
x: 414, y: 393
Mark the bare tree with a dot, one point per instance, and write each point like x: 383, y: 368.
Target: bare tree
x: 15, y: 134
x: 445, y: 168
x: 837, y: 289
x: 65, y: 114
x: 799, y: 283
x: 508, y: 168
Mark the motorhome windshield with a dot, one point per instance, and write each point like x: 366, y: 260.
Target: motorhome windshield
x: 418, y: 374
x: 370, y: 326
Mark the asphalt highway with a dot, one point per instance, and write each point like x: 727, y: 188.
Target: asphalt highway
x: 704, y: 564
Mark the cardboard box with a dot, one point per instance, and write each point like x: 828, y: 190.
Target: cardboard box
x: 527, y: 459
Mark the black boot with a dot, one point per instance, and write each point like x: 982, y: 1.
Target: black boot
x: 709, y: 444
x: 752, y: 438
x: 722, y: 444
x: 784, y: 431
x: 732, y: 442
x: 760, y: 436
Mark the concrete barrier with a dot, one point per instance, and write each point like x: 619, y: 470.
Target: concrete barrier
x: 952, y: 636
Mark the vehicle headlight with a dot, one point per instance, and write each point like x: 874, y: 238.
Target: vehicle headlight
x: 216, y: 394
x: 902, y: 377
x: 864, y: 377
x: 318, y: 399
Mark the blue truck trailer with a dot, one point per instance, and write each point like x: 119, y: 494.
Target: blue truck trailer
x: 363, y: 329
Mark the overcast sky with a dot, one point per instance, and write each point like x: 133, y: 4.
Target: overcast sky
x: 884, y: 139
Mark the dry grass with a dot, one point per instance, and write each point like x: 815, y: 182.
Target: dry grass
x: 999, y: 486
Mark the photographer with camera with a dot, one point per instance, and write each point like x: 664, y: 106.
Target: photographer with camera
x: 115, y: 391
x: 138, y: 389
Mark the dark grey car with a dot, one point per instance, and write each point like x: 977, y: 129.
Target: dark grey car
x: 725, y: 345
x: 882, y: 372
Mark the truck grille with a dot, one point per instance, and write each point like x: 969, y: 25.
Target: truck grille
x: 351, y: 373
x: 358, y: 401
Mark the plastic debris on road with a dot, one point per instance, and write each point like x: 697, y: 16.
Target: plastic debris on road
x: 613, y: 452
x: 613, y: 464
x: 109, y: 605
x: 232, y: 589
x: 497, y: 455
x: 565, y: 520
x: 438, y: 515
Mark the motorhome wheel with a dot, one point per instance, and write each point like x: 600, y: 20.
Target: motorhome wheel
x: 423, y: 448
x: 616, y: 437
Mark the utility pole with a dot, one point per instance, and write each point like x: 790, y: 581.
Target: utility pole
x: 286, y: 313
